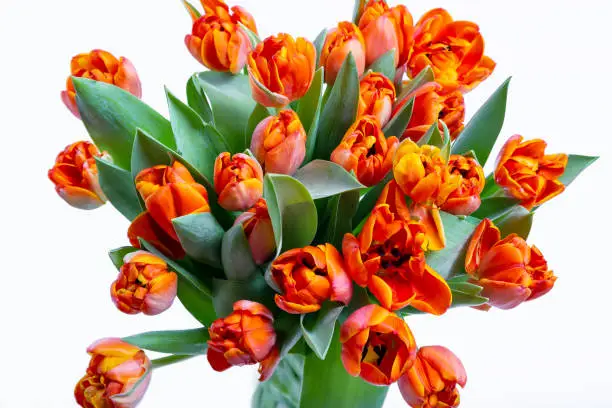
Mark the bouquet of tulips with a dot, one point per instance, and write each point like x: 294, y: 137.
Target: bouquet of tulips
x: 305, y: 200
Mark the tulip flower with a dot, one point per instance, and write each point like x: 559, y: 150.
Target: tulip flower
x: 279, y: 143
x: 453, y: 49
x: 453, y: 113
x: 245, y: 337
x: 238, y: 181
x: 385, y: 29
x: 75, y: 175
x: 432, y: 381
x: 100, y: 66
x: 309, y: 276
x: 281, y: 69
x: 461, y: 194
x: 258, y: 229
x: 376, y: 97
x: 387, y: 256
x: 117, y: 377
x: 144, y: 285
x: 366, y: 151
x: 236, y: 14
x: 344, y: 39
x: 527, y: 173
x: 510, y: 271
x: 377, y: 345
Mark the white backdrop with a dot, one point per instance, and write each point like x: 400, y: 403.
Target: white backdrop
x: 554, y: 352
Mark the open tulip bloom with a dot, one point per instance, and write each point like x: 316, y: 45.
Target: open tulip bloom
x: 305, y: 201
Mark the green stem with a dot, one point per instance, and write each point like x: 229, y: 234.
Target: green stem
x: 165, y: 361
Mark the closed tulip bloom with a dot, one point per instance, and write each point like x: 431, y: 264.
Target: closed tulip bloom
x: 235, y: 14
x: 366, y: 151
x: 258, y: 229
x: 279, y: 143
x: 144, y: 285
x: 309, y: 276
x: 385, y: 29
x: 453, y: 49
x: 377, y: 345
x: 432, y: 381
x: 245, y: 337
x: 238, y: 181
x: 461, y: 194
x: 100, y: 66
x: 527, y: 173
x: 75, y: 175
x: 376, y: 97
x: 114, y: 378
x: 343, y: 40
x: 281, y: 69
x: 510, y: 271
x: 387, y: 256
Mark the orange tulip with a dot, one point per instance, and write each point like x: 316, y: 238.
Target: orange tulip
x: 245, y: 337
x: 281, y: 69
x: 461, y: 194
x: 509, y: 270
x: 453, y: 49
x: 453, y: 113
x: 309, y: 276
x: 236, y: 14
x: 376, y: 97
x: 238, y: 181
x: 101, y: 66
x: 279, y: 143
x: 385, y: 29
x: 528, y: 174
x: 342, y: 40
x: 114, y: 378
x: 144, y: 285
x: 377, y: 345
x: 366, y: 151
x: 387, y: 256
x: 432, y: 381
x: 258, y: 229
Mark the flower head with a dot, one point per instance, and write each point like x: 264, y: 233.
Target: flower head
x: 258, y: 229
x: 461, y: 193
x: 236, y: 14
x: 238, y: 181
x: 376, y: 97
x: 344, y: 39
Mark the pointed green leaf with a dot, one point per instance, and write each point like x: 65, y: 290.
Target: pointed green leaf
x: 426, y: 75
x: 148, y: 152
x: 198, y: 101
x: 253, y: 37
x: 318, y: 328
x: 518, y: 220
x: 283, y: 388
x: 575, y: 165
x: 325, y: 179
x: 385, y: 65
x: 341, y: 209
x: 493, y: 207
x: 318, y: 43
x: 200, y: 236
x: 118, y: 186
x: 192, y: 10
x: 184, y: 342
x: 310, y: 103
x: 228, y: 292
x: 357, y: 10
x: 399, y: 122
x: 117, y: 255
x: 369, y: 199
x: 236, y: 255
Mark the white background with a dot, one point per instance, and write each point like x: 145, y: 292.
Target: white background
x: 554, y: 352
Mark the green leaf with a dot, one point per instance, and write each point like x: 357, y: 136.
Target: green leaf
x: 200, y: 236
x: 385, y: 65
x: 433, y: 137
x: 492, y: 207
x: 118, y: 186
x: 575, y: 165
x: 193, y: 11
x: 464, y: 287
x: 259, y: 113
x: 231, y: 103
x: 312, y: 132
x: 169, y: 360
x: 462, y: 298
x: 369, y: 199
x: 325, y: 179
x: 111, y: 116
x: 117, y: 255
x: 318, y: 328
x: 341, y: 209
x: 399, y: 122
x: 310, y: 103
x: 253, y: 37
x: 518, y: 220
x: 148, y: 152
x: 283, y: 388
x: 426, y: 75
x: 292, y: 211
x: 357, y: 10
x: 236, y: 255
x: 319, y: 42
x: 184, y: 342
x: 327, y: 384
x: 228, y: 292
x: 197, y: 304
x: 197, y: 142
x: 198, y: 101
x: 340, y: 109
x: 482, y: 130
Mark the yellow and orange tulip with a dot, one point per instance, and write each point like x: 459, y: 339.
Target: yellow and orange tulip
x: 376, y: 97
x: 309, y: 276
x: 114, y: 378
x: 460, y: 195
x: 235, y: 14
x: 102, y: 66
x: 238, y: 181
x: 144, y: 285
x: 527, y: 173
x: 257, y: 227
x: 344, y: 39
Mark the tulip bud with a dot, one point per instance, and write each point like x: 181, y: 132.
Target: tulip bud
x: 244, y: 337
x: 279, y: 143
x: 258, y: 229
x: 344, y: 39
x: 114, y: 378
x: 144, y: 285
x: 376, y: 97
x: 432, y: 381
x: 75, y: 175
x: 281, y: 70
x: 527, y: 173
x: 236, y: 14
x: 377, y: 345
x: 309, y: 276
x: 100, y: 66
x: 460, y: 194
x: 238, y: 181
x: 366, y: 151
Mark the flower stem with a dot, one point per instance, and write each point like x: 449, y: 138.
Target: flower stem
x: 165, y: 361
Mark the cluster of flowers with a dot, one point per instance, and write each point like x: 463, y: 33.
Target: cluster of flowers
x: 387, y: 255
